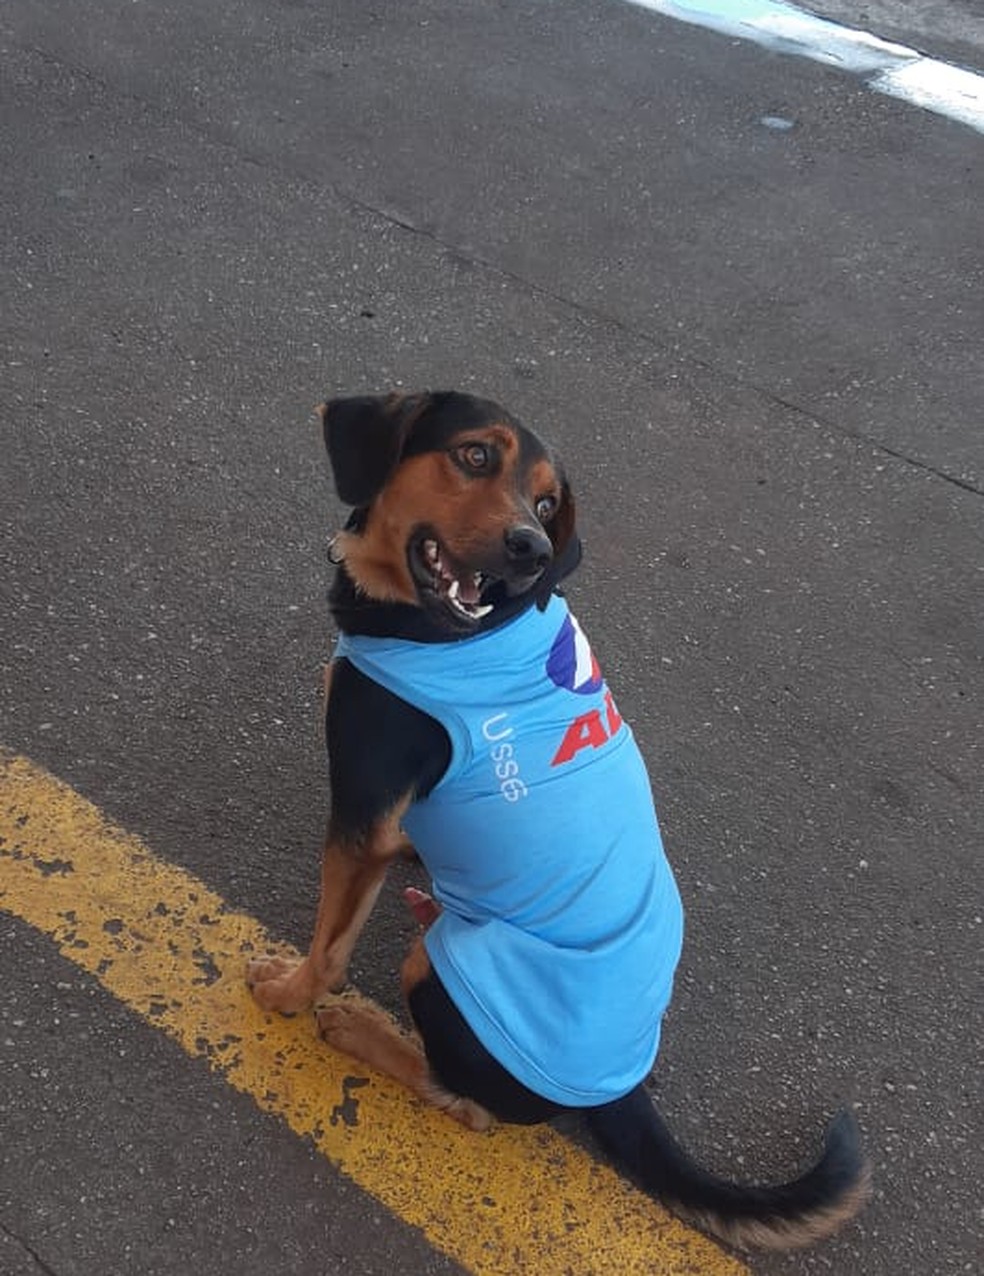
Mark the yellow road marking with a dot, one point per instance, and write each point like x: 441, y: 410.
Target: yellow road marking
x: 165, y: 945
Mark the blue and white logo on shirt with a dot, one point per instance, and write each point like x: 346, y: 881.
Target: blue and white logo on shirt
x: 571, y: 663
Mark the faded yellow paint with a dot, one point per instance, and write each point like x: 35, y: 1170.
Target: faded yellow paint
x: 167, y: 946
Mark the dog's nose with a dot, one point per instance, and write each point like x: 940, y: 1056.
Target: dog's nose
x: 528, y: 548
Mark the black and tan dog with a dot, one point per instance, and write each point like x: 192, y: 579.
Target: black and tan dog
x: 465, y: 707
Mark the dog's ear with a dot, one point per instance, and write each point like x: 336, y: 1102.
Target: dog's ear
x: 562, y: 531
x: 365, y: 437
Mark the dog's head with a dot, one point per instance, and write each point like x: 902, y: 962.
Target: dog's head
x: 459, y: 507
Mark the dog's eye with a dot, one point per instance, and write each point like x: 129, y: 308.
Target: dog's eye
x: 475, y: 456
x: 546, y: 508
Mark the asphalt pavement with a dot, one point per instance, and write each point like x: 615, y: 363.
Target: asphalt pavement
x: 759, y: 351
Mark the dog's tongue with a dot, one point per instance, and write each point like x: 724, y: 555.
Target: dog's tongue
x: 469, y: 591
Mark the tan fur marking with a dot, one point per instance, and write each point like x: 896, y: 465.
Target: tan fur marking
x: 367, y: 1033
x: 416, y: 967
x: 780, y: 1234
x: 542, y: 480
x: 351, y: 879
x: 374, y: 567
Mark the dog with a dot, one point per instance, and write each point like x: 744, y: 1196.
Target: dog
x: 466, y: 710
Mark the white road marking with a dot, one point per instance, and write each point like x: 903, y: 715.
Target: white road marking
x: 937, y: 86
x: 891, y: 68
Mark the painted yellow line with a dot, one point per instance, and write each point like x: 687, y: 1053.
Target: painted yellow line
x: 168, y: 947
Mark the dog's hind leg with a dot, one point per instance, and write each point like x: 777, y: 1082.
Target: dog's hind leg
x: 367, y: 1033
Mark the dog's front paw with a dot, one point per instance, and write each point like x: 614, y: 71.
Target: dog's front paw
x: 279, y: 983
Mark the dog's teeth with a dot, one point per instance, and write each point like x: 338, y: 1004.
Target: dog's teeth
x: 453, y: 590
x: 479, y: 612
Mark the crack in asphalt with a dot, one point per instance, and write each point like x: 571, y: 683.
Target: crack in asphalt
x: 31, y: 1252
x: 404, y: 222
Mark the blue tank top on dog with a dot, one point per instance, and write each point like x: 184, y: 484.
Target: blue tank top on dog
x: 561, y: 925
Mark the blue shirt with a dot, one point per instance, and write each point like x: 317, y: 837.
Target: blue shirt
x: 561, y: 925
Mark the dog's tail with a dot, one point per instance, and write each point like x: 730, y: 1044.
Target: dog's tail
x: 636, y: 1138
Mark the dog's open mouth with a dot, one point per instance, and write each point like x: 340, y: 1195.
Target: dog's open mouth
x: 441, y: 581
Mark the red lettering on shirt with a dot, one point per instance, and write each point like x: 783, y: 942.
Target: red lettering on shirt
x: 589, y: 732
x: 614, y: 718
x: 585, y: 732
